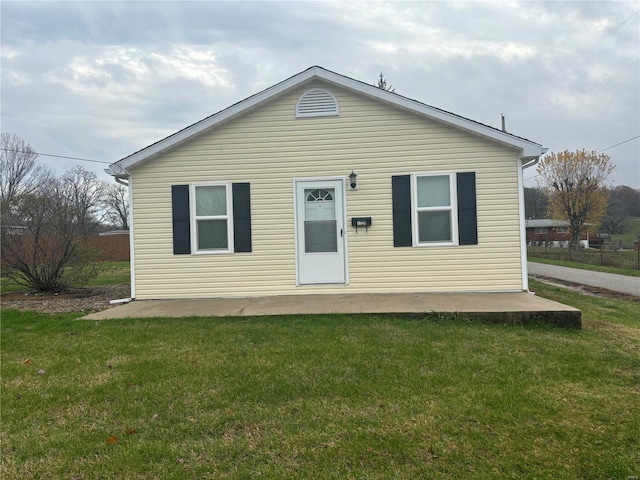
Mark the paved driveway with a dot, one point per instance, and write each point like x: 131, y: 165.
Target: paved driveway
x: 610, y: 281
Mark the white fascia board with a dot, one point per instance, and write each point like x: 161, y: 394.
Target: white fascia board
x: 528, y: 150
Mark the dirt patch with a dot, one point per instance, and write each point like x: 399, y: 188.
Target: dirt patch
x: 587, y: 290
x: 85, y: 300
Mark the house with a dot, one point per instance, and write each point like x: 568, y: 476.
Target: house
x: 556, y: 233
x: 322, y: 184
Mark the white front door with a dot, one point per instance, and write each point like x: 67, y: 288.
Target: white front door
x: 320, y: 231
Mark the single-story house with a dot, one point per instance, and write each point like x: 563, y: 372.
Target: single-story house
x: 542, y: 231
x: 322, y: 184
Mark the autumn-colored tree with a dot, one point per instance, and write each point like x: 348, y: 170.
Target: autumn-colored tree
x: 577, y: 186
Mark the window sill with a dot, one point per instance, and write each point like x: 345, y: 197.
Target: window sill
x: 437, y: 244
x: 211, y: 252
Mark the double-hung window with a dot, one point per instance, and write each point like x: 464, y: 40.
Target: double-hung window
x: 211, y: 217
x: 435, y: 209
x: 541, y: 230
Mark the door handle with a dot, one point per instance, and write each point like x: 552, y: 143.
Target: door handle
x: 340, y: 233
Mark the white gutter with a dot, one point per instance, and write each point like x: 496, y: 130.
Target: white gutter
x: 533, y: 162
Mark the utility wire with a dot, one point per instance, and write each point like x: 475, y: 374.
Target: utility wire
x: 56, y: 156
x: 588, y: 89
x: 617, y: 144
x: 600, y: 151
x: 605, y: 35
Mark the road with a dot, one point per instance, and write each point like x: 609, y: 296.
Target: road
x: 610, y: 281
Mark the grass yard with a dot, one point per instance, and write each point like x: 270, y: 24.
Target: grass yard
x: 322, y: 397
x: 110, y: 273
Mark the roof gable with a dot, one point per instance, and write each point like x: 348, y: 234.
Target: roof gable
x: 528, y: 150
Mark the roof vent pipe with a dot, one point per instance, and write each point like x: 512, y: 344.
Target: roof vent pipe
x: 504, y: 127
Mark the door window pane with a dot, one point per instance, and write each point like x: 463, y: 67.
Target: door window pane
x: 319, y: 204
x: 211, y: 201
x: 212, y: 235
x: 434, y: 226
x: 320, y: 225
x: 433, y: 191
x: 320, y: 236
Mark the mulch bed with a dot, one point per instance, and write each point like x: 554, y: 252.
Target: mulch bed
x: 86, y: 300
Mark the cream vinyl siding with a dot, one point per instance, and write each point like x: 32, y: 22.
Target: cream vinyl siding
x: 269, y: 148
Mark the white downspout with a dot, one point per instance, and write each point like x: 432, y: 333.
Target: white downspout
x: 523, y: 227
x: 117, y: 172
x: 132, y: 257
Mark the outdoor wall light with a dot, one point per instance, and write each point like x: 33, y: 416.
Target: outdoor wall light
x: 352, y: 178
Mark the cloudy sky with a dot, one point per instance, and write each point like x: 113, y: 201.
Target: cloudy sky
x: 100, y: 80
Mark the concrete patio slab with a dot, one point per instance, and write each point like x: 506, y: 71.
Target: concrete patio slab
x: 509, y: 308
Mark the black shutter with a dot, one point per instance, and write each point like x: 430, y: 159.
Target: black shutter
x: 181, y: 223
x: 401, y: 199
x: 241, y: 217
x: 467, y: 211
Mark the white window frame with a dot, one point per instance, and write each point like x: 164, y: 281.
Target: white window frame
x: 562, y: 229
x: 452, y: 208
x: 541, y: 230
x: 194, y: 219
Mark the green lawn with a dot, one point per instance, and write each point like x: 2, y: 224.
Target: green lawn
x: 322, y: 397
x: 110, y: 273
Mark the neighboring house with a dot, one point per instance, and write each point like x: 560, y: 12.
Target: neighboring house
x: 258, y: 199
x: 556, y: 233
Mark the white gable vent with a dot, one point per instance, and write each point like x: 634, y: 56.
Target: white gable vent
x: 316, y: 103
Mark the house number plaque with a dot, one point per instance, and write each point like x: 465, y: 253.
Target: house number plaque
x: 361, y: 222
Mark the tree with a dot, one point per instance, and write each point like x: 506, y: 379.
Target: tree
x: 116, y: 205
x: 43, y: 249
x: 44, y: 218
x: 615, y: 219
x: 628, y: 198
x: 624, y: 202
x: 577, y: 186
x: 85, y: 194
x: 382, y: 84
x: 20, y: 172
x: 535, y: 202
